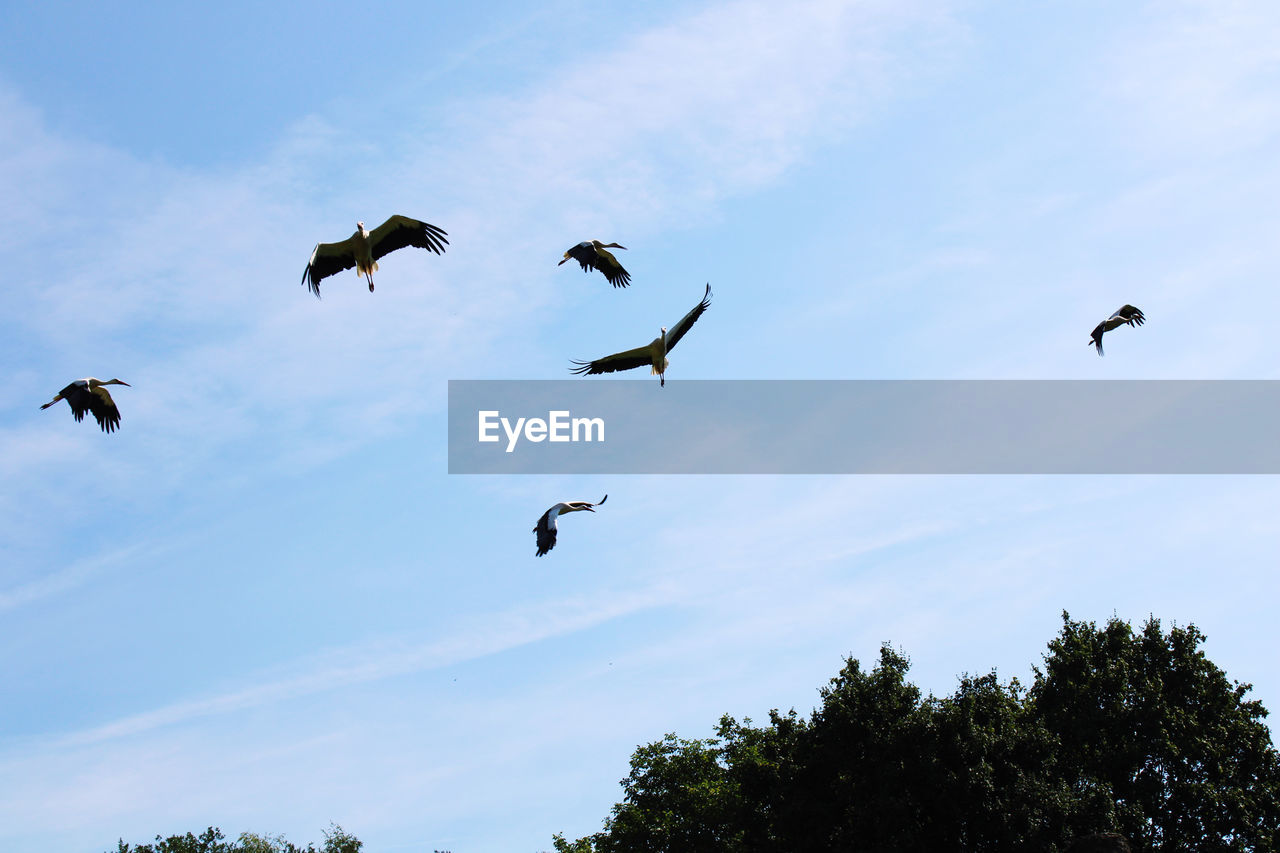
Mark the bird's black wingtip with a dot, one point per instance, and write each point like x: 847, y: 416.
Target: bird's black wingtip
x: 309, y: 282
x: 435, y: 238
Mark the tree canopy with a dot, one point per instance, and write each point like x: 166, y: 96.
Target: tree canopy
x: 336, y: 840
x: 1124, y: 740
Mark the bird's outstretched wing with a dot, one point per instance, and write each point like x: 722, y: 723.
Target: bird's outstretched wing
x: 79, y: 398
x: 1096, y: 335
x: 328, y: 259
x: 1131, y: 315
x: 584, y: 254
x: 676, y: 332
x: 638, y: 357
x: 400, y: 231
x: 546, y: 531
x: 104, y: 409
x: 613, y: 271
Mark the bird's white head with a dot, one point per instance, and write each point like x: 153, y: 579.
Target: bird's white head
x: 360, y: 227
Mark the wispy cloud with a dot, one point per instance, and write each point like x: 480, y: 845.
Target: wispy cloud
x: 68, y: 577
x: 716, y: 103
x: 388, y: 657
x: 185, y: 283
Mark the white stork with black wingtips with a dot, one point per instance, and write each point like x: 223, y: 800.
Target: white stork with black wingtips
x: 592, y: 255
x: 88, y: 395
x: 1126, y: 314
x: 653, y: 354
x: 363, y: 248
x: 546, y: 527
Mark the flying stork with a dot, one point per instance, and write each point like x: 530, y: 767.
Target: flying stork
x: 363, y: 248
x: 592, y: 255
x: 89, y: 395
x: 1126, y: 314
x: 546, y: 527
x: 653, y: 353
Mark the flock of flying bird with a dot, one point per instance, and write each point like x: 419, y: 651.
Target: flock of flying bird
x: 362, y: 251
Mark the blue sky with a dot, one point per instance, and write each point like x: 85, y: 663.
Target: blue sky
x: 263, y: 604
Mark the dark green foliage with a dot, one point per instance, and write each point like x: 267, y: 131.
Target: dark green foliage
x: 679, y: 797
x: 209, y: 841
x: 582, y: 845
x: 336, y: 840
x: 1100, y: 842
x: 859, y: 762
x: 1158, y: 739
x: 1122, y: 736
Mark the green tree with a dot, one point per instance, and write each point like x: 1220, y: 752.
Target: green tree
x: 1123, y: 735
x: 760, y: 761
x: 991, y: 780
x: 581, y: 845
x: 678, y: 796
x: 1155, y: 739
x: 857, y: 768
x: 252, y: 843
x: 336, y: 840
x: 209, y: 841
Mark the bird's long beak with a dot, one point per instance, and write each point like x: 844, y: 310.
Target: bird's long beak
x: 126, y: 384
x: 562, y: 260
